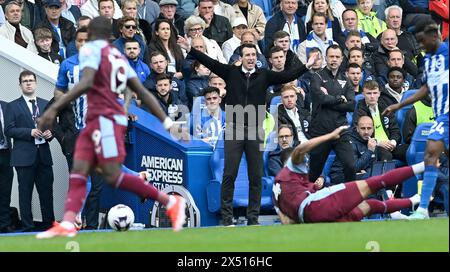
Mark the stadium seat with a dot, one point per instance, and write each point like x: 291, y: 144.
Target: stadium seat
x: 276, y: 100
x: 349, y: 2
x: 358, y: 97
x: 327, y: 167
x: 241, y: 185
x: 415, y: 154
x: 265, y: 5
x: 407, y: 94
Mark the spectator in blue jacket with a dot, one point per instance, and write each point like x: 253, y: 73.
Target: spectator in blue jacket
x: 132, y: 50
x: 363, y: 151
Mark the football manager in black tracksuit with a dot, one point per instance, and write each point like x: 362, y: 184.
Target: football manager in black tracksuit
x: 332, y: 97
x: 246, y: 86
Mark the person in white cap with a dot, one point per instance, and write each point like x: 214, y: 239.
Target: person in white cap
x: 239, y: 25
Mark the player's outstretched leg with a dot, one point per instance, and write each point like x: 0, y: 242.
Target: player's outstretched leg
x: 434, y: 149
x: 394, y: 177
x: 175, y: 205
x: 74, y: 201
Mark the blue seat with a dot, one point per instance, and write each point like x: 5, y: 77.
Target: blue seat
x: 349, y: 2
x: 358, y: 97
x: 265, y: 5
x: 241, y: 187
x: 407, y: 94
x: 327, y: 167
x: 415, y: 154
x: 276, y: 100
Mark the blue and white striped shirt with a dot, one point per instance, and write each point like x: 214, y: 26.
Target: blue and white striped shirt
x: 69, y: 74
x: 436, y: 77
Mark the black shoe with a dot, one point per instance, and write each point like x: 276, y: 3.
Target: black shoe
x: 7, y: 229
x: 252, y: 223
x: 227, y: 223
x: 89, y: 228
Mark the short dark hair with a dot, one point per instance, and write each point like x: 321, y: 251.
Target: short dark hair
x: 275, y: 49
x: 426, y: 26
x: 81, y: 30
x: 353, y: 65
x: 371, y: 85
x: 130, y: 40
x: 356, y: 49
x: 210, y: 89
x: 99, y: 1
x: 26, y: 73
x: 352, y: 33
x: 334, y: 46
x: 392, y: 69
x: 100, y: 27
x: 280, y: 34
x: 156, y: 53
x: 349, y: 9
x: 397, y: 51
x: 163, y: 76
x: 246, y: 45
x: 319, y: 14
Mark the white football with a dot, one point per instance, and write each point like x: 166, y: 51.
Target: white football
x: 120, y: 217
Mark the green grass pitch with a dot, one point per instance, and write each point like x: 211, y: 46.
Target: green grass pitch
x: 428, y: 235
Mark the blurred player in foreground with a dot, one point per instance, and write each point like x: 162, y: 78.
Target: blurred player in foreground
x: 106, y: 75
x: 436, y: 83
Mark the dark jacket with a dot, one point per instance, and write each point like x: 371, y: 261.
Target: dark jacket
x: 219, y: 29
x: 195, y: 86
x: 389, y: 122
x: 67, y: 32
x: 362, y: 156
x: 291, y: 60
x: 178, y: 87
x: 381, y: 57
x: 277, y: 23
x: 275, y: 164
x: 64, y: 129
x: 18, y: 126
x: 51, y: 56
x: 305, y: 120
x: 247, y: 91
x: 37, y: 12
x: 171, y: 107
x: 329, y: 111
x: 4, y: 106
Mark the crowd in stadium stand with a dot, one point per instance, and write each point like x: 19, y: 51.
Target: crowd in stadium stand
x: 368, y: 59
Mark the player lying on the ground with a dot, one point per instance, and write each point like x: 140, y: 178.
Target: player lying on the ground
x: 299, y: 201
x: 106, y: 74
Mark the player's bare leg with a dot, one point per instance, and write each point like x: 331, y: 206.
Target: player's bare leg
x: 175, y: 205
